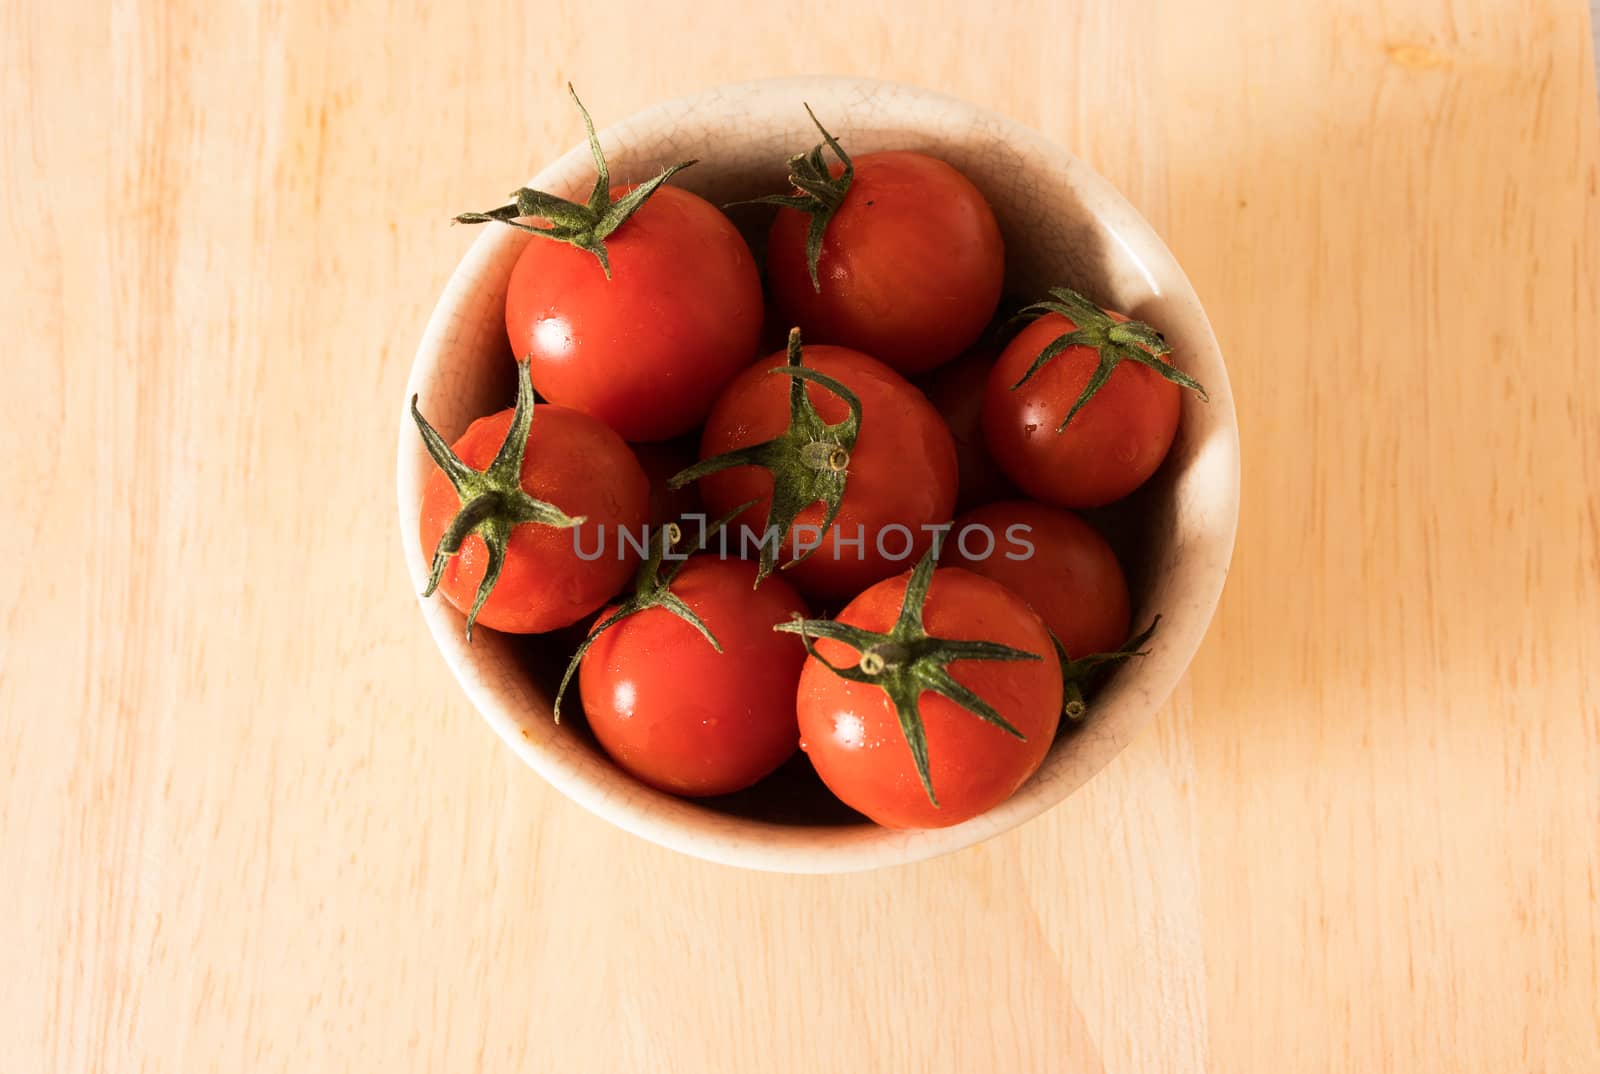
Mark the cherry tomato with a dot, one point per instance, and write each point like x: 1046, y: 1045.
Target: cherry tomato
x: 677, y: 714
x: 647, y: 350
x: 1110, y: 447
x: 575, y: 463
x: 852, y: 733
x: 956, y: 389
x: 901, y: 473
x: 911, y: 266
x: 1056, y: 562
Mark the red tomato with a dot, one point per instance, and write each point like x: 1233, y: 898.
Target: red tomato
x: 957, y: 391
x: 911, y: 266
x: 851, y: 732
x: 646, y: 351
x: 901, y: 474
x: 1063, y: 569
x: 1111, y: 446
x: 677, y: 714
x: 580, y: 466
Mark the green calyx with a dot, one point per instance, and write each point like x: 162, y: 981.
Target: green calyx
x: 809, y: 462
x: 652, y: 588
x: 492, y: 500
x: 586, y: 226
x: 1077, y: 675
x: 906, y: 661
x: 1116, y: 341
x: 820, y: 192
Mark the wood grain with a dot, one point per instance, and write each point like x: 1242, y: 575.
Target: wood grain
x: 249, y: 823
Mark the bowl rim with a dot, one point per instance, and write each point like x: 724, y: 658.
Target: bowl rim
x: 747, y: 842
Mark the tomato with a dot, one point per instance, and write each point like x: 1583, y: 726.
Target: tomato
x: 911, y: 262
x: 1064, y: 440
x: 956, y: 390
x: 900, y: 477
x: 680, y: 716
x: 851, y: 730
x: 635, y: 306
x: 570, y: 462
x: 647, y: 350
x: 1056, y: 562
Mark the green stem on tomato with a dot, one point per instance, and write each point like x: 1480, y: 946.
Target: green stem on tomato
x: 1115, y: 342
x: 819, y: 192
x: 587, y: 225
x: 651, y: 589
x: 1078, y: 675
x: 906, y: 661
x: 492, y: 500
x: 809, y: 461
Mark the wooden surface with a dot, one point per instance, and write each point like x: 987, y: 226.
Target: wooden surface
x: 249, y: 823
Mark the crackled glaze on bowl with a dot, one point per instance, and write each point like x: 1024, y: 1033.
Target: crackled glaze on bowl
x: 1063, y: 224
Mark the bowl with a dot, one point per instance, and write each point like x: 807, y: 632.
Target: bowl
x: 1063, y: 224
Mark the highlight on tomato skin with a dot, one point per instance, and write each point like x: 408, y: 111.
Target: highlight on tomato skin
x: 678, y: 715
x: 853, y: 736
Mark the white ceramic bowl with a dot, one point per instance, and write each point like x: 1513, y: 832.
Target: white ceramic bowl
x: 1063, y: 224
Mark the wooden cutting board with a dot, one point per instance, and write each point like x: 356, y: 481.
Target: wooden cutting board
x: 249, y: 822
